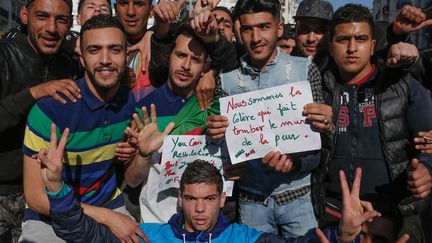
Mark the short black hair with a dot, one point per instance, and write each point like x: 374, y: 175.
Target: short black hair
x: 224, y: 9
x: 184, y: 28
x: 201, y: 172
x: 351, y: 13
x: 256, y: 6
x: 81, y: 3
x: 101, y: 21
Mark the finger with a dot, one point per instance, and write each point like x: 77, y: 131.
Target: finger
x: 414, y: 164
x: 49, y: 165
x: 367, y: 206
x: 201, y: 100
x: 403, y: 239
x: 141, y: 235
x: 421, y: 189
x: 218, y: 135
x: 274, y: 159
x: 168, y: 128
x: 423, y: 180
x: 137, y: 120
x: 131, y: 132
x: 153, y: 113
x: 427, y: 23
x: 145, y: 115
x: 344, y: 188
x: 282, y: 162
x: 217, y: 118
x: 58, y: 98
x: 266, y: 159
x: 135, y: 238
x: 62, y: 144
x: 288, y: 166
x: 321, y: 236
x: 356, y: 184
x: 53, y: 138
x: 367, y: 216
x: 423, y: 194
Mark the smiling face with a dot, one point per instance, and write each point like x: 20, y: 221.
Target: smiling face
x: 351, y: 47
x: 47, y: 23
x: 259, y: 32
x: 92, y: 8
x: 133, y: 14
x: 104, y: 58
x: 310, y: 35
x: 186, y: 65
x: 201, y: 204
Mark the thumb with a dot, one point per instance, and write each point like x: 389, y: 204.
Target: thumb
x: 391, y: 62
x: 169, y: 128
x: 133, y: 48
x: 414, y: 164
x: 427, y: 23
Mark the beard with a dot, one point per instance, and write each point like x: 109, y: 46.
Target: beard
x: 105, y: 87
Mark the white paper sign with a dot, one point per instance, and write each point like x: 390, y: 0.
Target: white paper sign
x: 269, y: 119
x: 179, y: 151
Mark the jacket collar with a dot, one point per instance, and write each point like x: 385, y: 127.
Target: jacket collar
x: 248, y: 69
x: 177, y: 221
x: 23, y: 44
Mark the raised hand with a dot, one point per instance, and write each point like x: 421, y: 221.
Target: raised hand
x: 410, y: 19
x: 149, y: 138
x: 51, y: 160
x: 402, y: 54
x: 144, y: 47
x: 205, y: 89
x: 354, y: 212
x: 205, y: 26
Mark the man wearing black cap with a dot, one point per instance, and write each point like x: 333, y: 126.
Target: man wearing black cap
x: 29, y: 67
x: 312, y: 19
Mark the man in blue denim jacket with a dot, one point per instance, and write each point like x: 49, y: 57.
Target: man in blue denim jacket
x: 275, y: 190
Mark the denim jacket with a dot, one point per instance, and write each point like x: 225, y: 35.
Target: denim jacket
x: 284, y: 69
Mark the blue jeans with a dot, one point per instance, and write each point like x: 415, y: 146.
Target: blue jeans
x: 292, y: 219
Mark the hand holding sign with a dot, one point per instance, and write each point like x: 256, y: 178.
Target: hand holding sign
x: 149, y: 137
x: 278, y: 161
x: 216, y: 126
x: 321, y: 116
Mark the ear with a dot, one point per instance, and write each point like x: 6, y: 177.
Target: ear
x: 180, y: 200
x: 373, y: 47
x: 222, y: 200
x: 78, y: 19
x: 24, y: 15
x: 280, y: 29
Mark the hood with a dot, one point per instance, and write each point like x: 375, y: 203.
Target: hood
x: 176, y: 224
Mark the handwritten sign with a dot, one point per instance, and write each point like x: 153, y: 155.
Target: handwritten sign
x: 179, y: 151
x: 269, y: 119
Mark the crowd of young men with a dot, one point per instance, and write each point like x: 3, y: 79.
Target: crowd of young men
x: 100, y: 92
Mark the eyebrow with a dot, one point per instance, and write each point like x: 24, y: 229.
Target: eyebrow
x: 211, y: 195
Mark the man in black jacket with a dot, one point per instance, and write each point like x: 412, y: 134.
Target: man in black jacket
x: 31, y: 67
x: 379, y: 112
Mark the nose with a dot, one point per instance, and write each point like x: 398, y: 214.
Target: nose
x: 130, y: 10
x: 199, y: 206
x: 105, y: 59
x: 186, y: 64
x: 256, y: 36
x: 311, y: 37
x: 352, y: 46
x: 97, y: 10
x: 50, y: 26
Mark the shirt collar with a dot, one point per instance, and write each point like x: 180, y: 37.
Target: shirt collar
x: 170, y: 95
x: 253, y: 71
x: 93, y: 102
